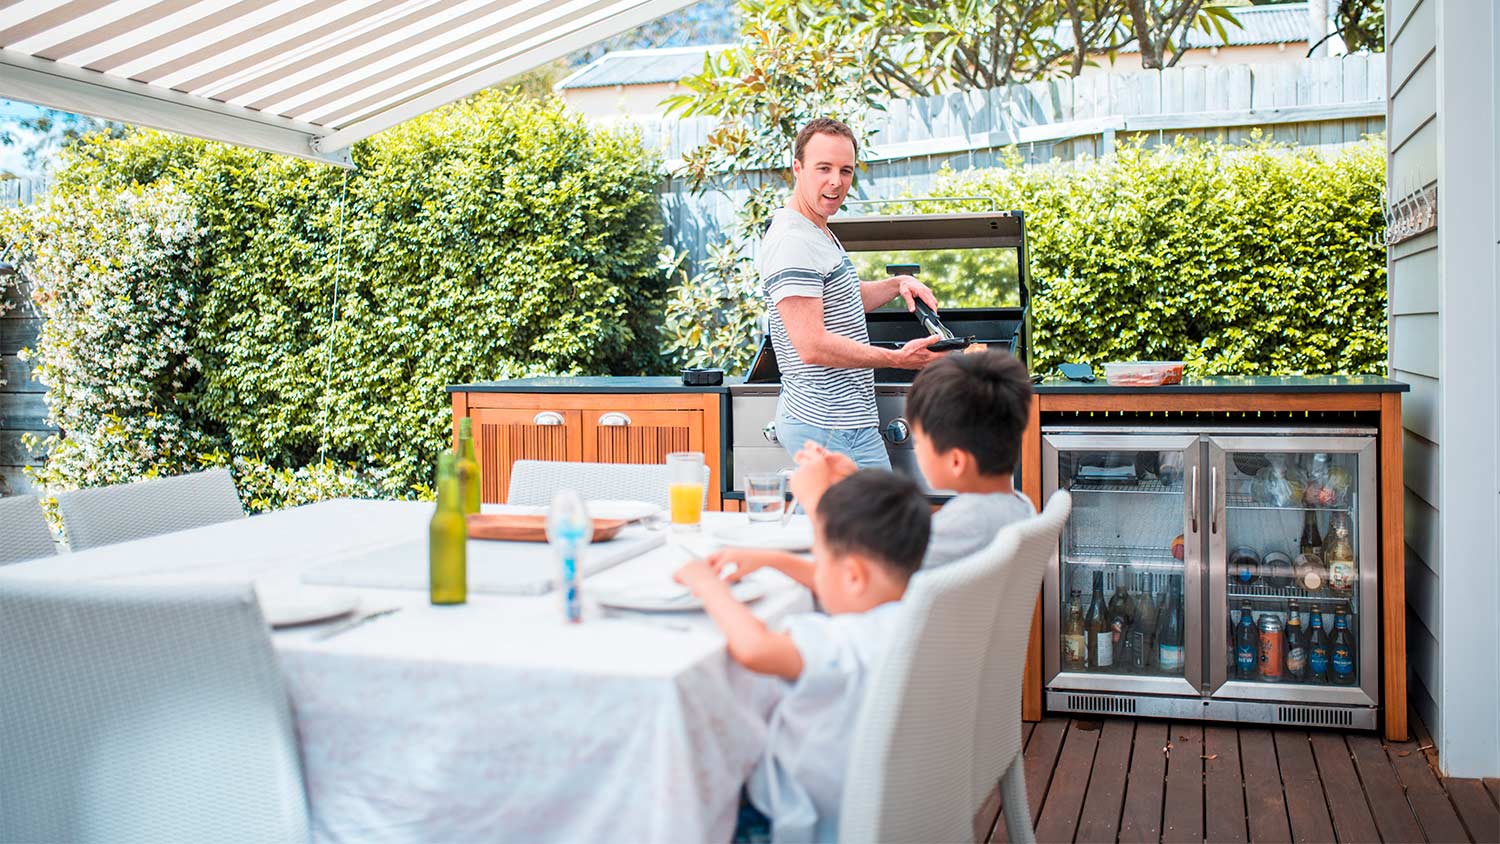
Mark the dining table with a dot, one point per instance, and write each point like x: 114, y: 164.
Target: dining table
x: 497, y: 719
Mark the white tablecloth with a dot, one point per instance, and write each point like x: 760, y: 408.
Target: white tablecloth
x: 495, y: 720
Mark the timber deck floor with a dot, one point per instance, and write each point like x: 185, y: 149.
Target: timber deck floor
x: 1121, y: 779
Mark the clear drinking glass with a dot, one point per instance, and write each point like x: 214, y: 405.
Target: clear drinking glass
x: 685, y: 488
x: 765, y: 496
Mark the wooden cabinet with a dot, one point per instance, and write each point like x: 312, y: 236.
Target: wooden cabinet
x: 605, y: 427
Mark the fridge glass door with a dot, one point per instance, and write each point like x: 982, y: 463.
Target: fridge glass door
x: 1122, y: 606
x: 1293, y: 558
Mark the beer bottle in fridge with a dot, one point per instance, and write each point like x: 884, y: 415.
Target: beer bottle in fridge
x: 1121, y: 617
x: 1296, y: 645
x: 1075, y: 641
x: 1341, y: 651
x: 1317, y: 648
x: 1338, y: 552
x: 1311, y: 542
x: 447, y: 542
x: 1245, y: 644
x: 1100, y: 639
x: 1146, y: 618
x: 1169, y: 654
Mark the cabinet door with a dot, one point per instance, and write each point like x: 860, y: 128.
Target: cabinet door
x: 640, y: 436
x: 1293, y: 546
x: 502, y: 436
x: 1132, y: 547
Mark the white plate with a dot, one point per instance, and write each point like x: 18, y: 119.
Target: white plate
x: 292, y: 606
x: 671, y: 597
x: 770, y: 535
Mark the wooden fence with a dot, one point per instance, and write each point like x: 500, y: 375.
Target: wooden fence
x: 1313, y: 102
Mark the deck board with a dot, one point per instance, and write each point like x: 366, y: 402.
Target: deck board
x: 1105, y: 779
x: 1223, y: 786
x: 1059, y: 820
x: 1140, y: 820
x: 1182, y: 810
x: 989, y: 815
x: 1350, y: 811
x: 1306, y: 805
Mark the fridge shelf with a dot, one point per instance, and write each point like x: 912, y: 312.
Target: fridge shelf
x: 1269, y: 593
x: 1236, y: 501
x: 1135, y: 556
x: 1129, y: 487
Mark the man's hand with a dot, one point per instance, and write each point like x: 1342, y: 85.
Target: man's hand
x: 817, y: 470
x: 910, y: 290
x: 700, y: 578
x: 915, y: 355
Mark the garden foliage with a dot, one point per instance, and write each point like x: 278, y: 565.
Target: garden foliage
x: 1252, y: 259
x: 189, y: 288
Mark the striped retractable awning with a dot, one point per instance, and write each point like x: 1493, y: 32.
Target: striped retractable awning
x: 303, y: 77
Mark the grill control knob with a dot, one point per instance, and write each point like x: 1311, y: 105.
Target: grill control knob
x: 769, y: 432
x: 897, y: 432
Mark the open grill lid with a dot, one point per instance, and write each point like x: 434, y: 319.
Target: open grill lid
x: 997, y: 327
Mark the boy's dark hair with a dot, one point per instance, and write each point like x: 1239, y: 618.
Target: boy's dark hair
x: 978, y: 403
x: 879, y: 515
x: 823, y: 126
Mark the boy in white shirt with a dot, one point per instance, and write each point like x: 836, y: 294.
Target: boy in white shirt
x: 871, y: 529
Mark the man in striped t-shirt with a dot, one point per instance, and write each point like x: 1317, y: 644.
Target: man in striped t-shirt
x: 817, y: 309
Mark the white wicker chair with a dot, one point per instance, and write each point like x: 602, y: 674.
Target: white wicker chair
x: 150, y: 714
x: 534, y: 482
x: 106, y: 515
x: 941, y: 721
x: 24, y: 534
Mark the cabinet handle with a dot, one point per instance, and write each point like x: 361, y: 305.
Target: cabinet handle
x: 1213, y: 499
x: 614, y: 419
x: 1194, y: 498
x: 547, y: 417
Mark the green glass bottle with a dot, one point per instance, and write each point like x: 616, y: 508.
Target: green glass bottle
x: 447, y: 542
x: 467, y: 467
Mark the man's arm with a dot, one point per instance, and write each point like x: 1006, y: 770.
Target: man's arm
x: 873, y: 294
x: 751, y: 643
x: 816, y: 345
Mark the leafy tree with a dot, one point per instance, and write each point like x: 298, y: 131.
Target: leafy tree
x: 43, y: 135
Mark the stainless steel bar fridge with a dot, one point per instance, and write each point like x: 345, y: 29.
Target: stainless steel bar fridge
x: 1223, y: 573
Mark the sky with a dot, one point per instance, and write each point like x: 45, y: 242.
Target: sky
x: 12, y: 157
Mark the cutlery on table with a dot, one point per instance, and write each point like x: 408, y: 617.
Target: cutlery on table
x: 353, y: 623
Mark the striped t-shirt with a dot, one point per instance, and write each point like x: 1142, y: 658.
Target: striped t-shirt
x: 797, y: 258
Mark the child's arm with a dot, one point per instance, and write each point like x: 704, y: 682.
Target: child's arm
x: 747, y: 560
x: 751, y: 643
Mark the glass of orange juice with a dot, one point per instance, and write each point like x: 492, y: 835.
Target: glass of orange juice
x: 685, y: 488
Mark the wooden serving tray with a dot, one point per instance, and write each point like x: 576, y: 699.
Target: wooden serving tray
x: 519, y: 528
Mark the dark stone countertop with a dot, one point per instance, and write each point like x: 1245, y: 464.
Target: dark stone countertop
x: 1057, y: 386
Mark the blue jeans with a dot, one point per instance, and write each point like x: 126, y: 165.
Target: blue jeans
x: 864, y: 446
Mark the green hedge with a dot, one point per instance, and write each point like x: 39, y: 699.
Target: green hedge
x: 493, y: 239
x: 1239, y: 260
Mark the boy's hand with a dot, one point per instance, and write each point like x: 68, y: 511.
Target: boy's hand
x: 744, y: 560
x: 817, y: 470
x: 699, y: 578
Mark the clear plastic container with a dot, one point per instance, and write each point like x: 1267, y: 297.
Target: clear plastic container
x: 1143, y: 373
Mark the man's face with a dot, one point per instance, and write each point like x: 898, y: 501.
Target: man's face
x: 825, y: 173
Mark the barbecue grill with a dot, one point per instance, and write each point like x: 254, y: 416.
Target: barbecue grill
x: 753, y: 404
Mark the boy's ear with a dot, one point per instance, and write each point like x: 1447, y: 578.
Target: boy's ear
x: 856, y: 573
x: 958, y: 460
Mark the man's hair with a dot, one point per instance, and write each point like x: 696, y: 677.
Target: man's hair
x: 823, y: 126
x: 978, y: 403
x: 879, y: 515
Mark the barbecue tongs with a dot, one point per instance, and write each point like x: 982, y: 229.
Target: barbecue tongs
x: 929, y: 319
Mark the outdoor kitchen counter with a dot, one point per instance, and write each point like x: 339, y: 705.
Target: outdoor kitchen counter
x: 591, y: 384
x: 1234, y: 384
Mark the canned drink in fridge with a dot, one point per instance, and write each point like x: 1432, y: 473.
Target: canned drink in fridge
x: 1272, y: 648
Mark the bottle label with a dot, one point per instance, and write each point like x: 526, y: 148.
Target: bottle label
x: 1104, y: 649
x: 1343, y: 662
x: 1296, y: 660
x: 1170, y: 657
x: 1117, y: 629
x: 1073, y: 649
x: 1317, y: 660
x: 1244, y: 659
x: 1271, y: 655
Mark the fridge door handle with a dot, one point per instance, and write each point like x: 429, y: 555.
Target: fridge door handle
x: 1213, y: 499
x: 1194, y: 499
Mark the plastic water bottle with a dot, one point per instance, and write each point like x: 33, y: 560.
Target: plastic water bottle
x: 569, y: 530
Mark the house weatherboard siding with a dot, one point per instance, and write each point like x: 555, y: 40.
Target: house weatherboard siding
x: 1441, y: 134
